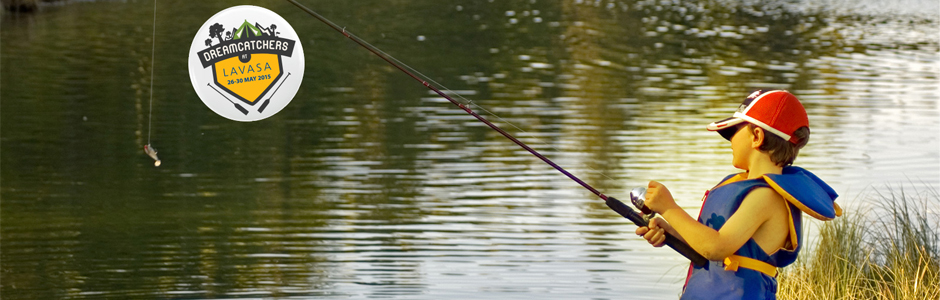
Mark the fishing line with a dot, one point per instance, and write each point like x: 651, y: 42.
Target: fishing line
x: 148, y: 149
x: 427, y: 81
x: 153, y: 54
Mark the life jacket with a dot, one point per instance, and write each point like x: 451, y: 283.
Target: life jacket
x: 750, y: 273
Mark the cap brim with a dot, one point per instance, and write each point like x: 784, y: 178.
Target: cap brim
x: 725, y: 127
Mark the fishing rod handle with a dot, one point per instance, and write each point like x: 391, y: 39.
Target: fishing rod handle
x: 671, y: 241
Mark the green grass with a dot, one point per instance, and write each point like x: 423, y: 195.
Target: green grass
x: 887, y: 252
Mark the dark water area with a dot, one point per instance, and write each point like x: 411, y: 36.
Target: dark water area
x: 369, y: 186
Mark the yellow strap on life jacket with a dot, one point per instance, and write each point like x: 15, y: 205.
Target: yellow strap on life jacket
x: 733, y: 262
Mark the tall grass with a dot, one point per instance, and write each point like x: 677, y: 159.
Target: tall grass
x: 888, y: 252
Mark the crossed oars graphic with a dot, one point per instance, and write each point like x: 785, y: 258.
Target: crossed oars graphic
x: 263, y: 105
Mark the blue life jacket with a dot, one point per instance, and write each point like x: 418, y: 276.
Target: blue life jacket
x: 727, y: 279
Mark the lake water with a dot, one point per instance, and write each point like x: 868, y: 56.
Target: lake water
x: 369, y: 186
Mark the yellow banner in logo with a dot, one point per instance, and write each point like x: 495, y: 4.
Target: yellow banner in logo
x: 248, y: 80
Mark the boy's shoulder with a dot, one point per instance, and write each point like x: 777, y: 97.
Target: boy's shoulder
x: 731, y: 179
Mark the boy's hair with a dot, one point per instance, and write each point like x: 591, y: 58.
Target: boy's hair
x: 782, y: 152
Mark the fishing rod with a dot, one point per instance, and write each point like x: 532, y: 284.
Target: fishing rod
x: 613, y: 203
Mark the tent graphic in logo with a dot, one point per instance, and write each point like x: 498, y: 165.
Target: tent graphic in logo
x: 246, y: 62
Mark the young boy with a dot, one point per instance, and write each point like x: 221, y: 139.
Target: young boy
x: 750, y: 223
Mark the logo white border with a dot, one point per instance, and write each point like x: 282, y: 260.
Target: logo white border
x: 225, y: 104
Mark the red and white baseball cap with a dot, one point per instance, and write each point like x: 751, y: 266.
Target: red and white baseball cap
x: 777, y: 111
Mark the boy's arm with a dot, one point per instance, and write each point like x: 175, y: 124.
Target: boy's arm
x: 754, y: 211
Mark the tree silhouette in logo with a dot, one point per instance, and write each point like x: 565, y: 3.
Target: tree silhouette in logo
x: 215, y: 31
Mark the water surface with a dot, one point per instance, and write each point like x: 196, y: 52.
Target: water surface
x: 369, y: 186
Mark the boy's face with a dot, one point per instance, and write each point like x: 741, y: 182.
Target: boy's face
x: 741, y: 147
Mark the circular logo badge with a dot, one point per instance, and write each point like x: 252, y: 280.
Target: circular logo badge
x: 246, y: 63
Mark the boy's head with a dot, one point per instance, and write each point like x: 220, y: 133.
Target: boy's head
x: 777, y: 112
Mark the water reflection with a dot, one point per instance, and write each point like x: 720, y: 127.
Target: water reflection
x: 369, y: 186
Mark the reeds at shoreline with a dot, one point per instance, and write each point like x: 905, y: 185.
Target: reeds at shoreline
x: 888, y: 252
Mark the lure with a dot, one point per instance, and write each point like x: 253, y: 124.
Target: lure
x: 153, y: 154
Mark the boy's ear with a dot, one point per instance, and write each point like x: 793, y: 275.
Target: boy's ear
x: 758, y: 137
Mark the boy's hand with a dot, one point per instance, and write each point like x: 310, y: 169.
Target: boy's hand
x: 658, y: 197
x: 655, y: 234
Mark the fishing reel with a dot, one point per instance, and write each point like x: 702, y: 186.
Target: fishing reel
x: 638, y: 197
